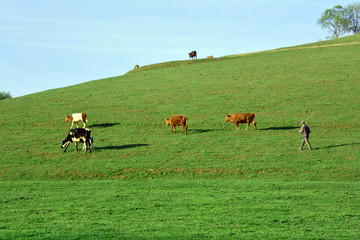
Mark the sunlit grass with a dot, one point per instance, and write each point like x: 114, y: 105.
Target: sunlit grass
x: 215, y: 182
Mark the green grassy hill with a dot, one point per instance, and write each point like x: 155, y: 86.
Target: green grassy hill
x: 318, y: 83
x: 126, y: 116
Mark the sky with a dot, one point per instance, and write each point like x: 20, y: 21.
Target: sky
x: 57, y: 43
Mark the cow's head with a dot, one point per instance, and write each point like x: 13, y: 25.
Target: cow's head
x: 65, y: 143
x: 68, y: 119
x: 227, y: 118
x: 167, y: 121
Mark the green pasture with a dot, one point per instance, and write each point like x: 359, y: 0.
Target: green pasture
x: 143, y: 182
x: 180, y: 209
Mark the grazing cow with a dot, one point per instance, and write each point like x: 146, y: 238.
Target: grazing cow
x: 136, y: 66
x: 241, y: 118
x: 79, y: 135
x: 177, y: 120
x: 210, y: 56
x: 192, y: 55
x: 74, y: 118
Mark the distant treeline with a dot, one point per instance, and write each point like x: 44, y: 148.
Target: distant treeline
x: 4, y: 95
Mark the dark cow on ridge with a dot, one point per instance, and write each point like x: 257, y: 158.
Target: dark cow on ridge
x: 177, y: 120
x: 241, y: 118
x: 79, y: 135
x: 192, y: 55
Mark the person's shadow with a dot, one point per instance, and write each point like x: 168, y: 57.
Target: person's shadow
x: 338, y: 145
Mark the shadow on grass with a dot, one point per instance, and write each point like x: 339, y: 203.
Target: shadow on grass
x: 104, y: 125
x: 121, y: 147
x: 204, y: 130
x: 280, y: 128
x: 338, y: 145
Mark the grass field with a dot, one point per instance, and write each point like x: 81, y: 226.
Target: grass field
x: 142, y: 182
x: 180, y: 209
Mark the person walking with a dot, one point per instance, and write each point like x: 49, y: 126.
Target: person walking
x: 305, y: 130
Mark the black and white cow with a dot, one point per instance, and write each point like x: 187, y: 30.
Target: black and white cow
x: 79, y: 135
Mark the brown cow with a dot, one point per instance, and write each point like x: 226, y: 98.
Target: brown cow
x: 192, y: 55
x: 241, y: 118
x: 136, y: 66
x: 75, y: 117
x: 177, y: 120
x: 210, y: 56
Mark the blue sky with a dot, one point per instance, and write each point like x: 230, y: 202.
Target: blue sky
x: 57, y: 43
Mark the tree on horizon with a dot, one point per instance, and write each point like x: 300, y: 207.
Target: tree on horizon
x: 339, y: 20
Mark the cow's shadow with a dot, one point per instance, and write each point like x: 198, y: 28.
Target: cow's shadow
x: 279, y: 128
x: 104, y: 125
x: 196, y: 130
x: 121, y: 147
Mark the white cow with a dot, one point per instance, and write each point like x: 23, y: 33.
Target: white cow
x: 75, y: 117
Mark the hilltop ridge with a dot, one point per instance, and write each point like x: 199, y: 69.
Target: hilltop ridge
x: 352, y: 40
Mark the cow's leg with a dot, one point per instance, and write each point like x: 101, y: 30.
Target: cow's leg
x: 67, y: 145
x: 72, y: 124
x: 174, y: 129
x: 237, y: 126
x: 77, y: 125
x: 254, y: 124
x: 83, y: 119
x: 184, y: 129
x: 90, y: 144
x: 85, y: 146
x: 248, y: 124
x: 76, y: 148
